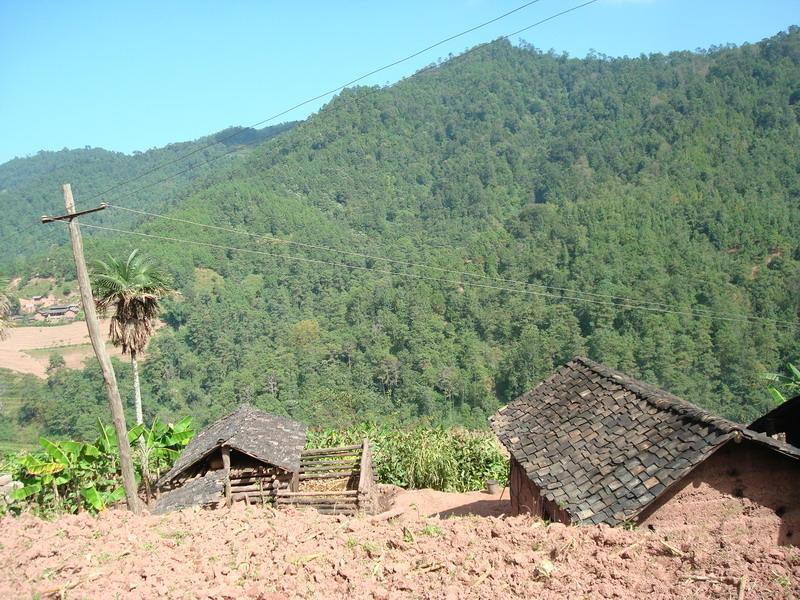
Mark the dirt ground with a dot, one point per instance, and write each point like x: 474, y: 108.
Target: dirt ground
x: 254, y: 552
x: 20, y: 351
x: 430, y: 503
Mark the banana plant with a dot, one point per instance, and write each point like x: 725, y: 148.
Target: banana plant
x: 37, y: 474
x: 162, y: 445
x: 781, y: 385
x: 73, y: 474
x: 107, y: 441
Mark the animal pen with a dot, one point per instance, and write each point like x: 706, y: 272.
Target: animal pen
x: 332, y: 480
x: 258, y: 458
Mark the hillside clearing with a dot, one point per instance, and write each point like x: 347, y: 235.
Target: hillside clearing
x: 252, y: 552
x: 28, y: 349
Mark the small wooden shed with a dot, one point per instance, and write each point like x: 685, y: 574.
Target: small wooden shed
x: 255, y: 457
x: 248, y: 455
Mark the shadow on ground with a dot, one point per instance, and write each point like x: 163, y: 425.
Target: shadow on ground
x: 483, y: 508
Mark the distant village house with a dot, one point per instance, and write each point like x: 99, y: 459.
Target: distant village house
x: 28, y: 306
x: 65, y: 312
x: 591, y: 445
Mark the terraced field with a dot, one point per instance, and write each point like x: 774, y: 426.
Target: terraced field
x: 28, y: 349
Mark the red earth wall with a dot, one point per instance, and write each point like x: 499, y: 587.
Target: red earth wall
x: 741, y: 488
x: 526, y: 498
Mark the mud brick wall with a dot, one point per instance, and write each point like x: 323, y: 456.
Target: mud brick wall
x: 526, y: 498
x: 740, y: 487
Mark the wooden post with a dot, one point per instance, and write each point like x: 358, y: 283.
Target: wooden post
x: 365, y: 481
x: 295, y: 485
x: 99, y: 345
x: 226, y: 467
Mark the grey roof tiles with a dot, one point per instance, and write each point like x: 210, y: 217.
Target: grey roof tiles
x: 265, y: 437
x: 603, y: 445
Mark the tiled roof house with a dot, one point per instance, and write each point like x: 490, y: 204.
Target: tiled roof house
x: 592, y: 445
x: 246, y: 452
x: 65, y: 310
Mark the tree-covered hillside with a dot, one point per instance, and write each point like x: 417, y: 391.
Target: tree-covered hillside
x: 600, y: 183
x: 31, y: 187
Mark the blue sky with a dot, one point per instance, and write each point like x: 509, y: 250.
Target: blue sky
x: 131, y: 76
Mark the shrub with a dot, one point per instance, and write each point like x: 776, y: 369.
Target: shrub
x: 425, y: 457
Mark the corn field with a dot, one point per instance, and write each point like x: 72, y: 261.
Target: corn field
x: 452, y: 460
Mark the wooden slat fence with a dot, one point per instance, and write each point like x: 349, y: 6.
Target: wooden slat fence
x: 332, y: 480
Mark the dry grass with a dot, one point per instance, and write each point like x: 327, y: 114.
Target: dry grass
x: 325, y: 485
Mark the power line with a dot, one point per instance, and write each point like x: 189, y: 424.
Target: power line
x: 317, y: 97
x: 277, y: 240
x: 550, y: 18
x: 18, y: 231
x: 426, y: 277
x: 354, y: 99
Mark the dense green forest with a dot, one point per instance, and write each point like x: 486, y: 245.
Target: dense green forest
x: 31, y: 187
x: 670, y: 179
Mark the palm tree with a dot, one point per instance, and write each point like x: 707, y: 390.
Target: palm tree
x: 133, y: 287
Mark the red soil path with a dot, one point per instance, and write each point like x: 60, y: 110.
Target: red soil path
x: 251, y: 552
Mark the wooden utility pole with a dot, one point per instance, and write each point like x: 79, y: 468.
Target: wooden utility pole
x: 98, y: 343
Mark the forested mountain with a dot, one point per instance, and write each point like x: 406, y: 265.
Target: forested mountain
x: 31, y: 187
x: 668, y: 179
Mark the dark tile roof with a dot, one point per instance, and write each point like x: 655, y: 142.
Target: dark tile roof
x: 58, y: 310
x: 265, y: 437
x: 603, y: 446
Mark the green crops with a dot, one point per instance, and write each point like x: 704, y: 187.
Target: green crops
x: 453, y: 460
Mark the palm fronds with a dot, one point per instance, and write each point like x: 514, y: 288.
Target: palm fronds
x: 133, y: 287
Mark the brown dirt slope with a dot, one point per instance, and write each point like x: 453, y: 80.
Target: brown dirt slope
x: 251, y: 552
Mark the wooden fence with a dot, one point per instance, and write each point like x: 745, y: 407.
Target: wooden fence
x: 332, y: 480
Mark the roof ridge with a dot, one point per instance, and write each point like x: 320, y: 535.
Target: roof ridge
x: 660, y: 398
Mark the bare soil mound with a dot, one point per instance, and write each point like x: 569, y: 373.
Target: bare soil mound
x: 253, y: 552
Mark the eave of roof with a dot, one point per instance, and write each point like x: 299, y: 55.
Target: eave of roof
x: 785, y: 410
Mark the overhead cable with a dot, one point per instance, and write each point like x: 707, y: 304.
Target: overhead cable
x: 277, y: 240
x: 322, y: 95
x: 315, y: 98
x: 460, y: 283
